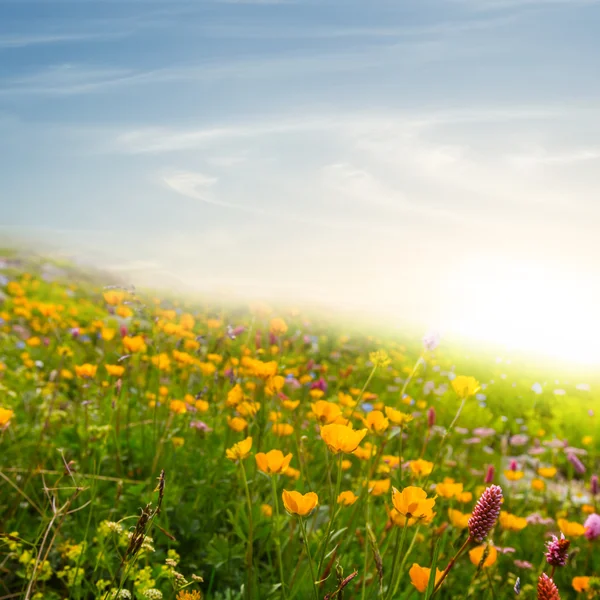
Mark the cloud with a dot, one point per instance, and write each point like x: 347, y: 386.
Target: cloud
x: 543, y: 158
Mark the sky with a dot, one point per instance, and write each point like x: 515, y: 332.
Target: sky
x: 430, y: 161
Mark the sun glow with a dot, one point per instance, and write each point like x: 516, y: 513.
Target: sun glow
x: 526, y: 306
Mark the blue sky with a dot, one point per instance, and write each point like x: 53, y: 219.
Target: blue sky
x: 434, y: 160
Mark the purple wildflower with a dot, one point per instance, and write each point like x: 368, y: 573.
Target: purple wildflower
x: 430, y: 417
x: 523, y: 564
x: 592, y: 527
x: 577, y: 464
x: 489, y: 476
x: 485, y: 514
x: 594, y: 484
x: 200, y: 426
x: 557, y: 553
x: 431, y: 341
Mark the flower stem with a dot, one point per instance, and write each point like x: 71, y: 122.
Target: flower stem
x: 278, y: 537
x: 249, y: 549
x: 310, y: 562
x: 450, y: 565
x: 396, y: 577
x: 333, y: 513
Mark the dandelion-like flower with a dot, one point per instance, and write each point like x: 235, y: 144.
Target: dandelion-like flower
x: 546, y: 589
x: 485, y: 514
x: 557, y: 551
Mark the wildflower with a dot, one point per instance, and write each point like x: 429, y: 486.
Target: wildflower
x: 577, y: 464
x: 378, y: 487
x: 115, y: 370
x: 413, y: 502
x: 278, y: 326
x: 476, y: 555
x: 326, y: 412
x: 431, y: 341
x: 240, y: 450
x: 581, y: 584
x: 299, y: 504
x: 6, y: 414
x: 282, y: 429
x: 594, y: 486
x: 177, y: 442
x: 113, y: 297
x: 273, y: 462
x: 556, y: 554
x: 237, y: 423
x: 419, y: 576
x: 380, y: 358
x: 421, y: 467
x: 538, y: 485
x: 376, y: 422
x: 397, y: 417
x: 162, y: 361
x: 342, y: 438
x: 235, y: 395
x: 546, y: 589
x: 592, y: 527
x: 292, y: 473
x: 458, y: 519
x: 465, y: 497
x: 187, y: 595
x: 465, y: 386
x: 135, y: 344
x: 266, y: 510
x: 570, y: 528
x: 512, y: 522
x: 179, y: 407
x: 485, y: 514
x: 448, y: 489
x: 347, y: 498
x: 202, y: 406
x: 513, y: 475
x: 152, y: 594
x: 547, y: 472
x: 86, y: 371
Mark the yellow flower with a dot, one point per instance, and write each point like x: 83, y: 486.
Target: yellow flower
x: 512, y: 522
x: 240, y: 450
x: 162, y: 361
x: 213, y: 323
x: 124, y: 311
x: 278, y: 326
x: 449, y: 489
x: 299, y: 504
x: 476, y: 555
x: 163, y: 390
x: 179, y: 407
x: 342, y: 438
x: 588, y: 509
x: 6, y: 414
x: 419, y: 576
x: 66, y: 374
x: 366, y: 451
x: 273, y: 385
x: 346, y: 400
x: 347, y: 498
x: 316, y: 393
x: 115, y: 370
x: 413, y: 502
x: 187, y: 595
x: 397, y: 417
x: 237, y: 423
x: 235, y: 395
x: 346, y: 464
x: 266, y: 510
x: 465, y: 386
x: 513, y: 475
x: 380, y: 358
x: 421, y: 467
x: 201, y: 405
x: 134, y: 344
x: 378, y: 487
x: 292, y: 473
x: 571, y: 529
x: 34, y: 341
x: 86, y: 370
x: 326, y: 412
x: 458, y: 519
x: 290, y: 404
x: 587, y: 440
x: 538, y: 485
x: 376, y: 422
x: 113, y: 297
x: 581, y: 584
x: 273, y: 462
x: 248, y: 409
x: 177, y: 442
x: 547, y: 472
x: 282, y: 429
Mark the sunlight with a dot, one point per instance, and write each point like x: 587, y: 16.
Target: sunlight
x: 525, y: 306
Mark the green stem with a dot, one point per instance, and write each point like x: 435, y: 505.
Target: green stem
x: 397, y: 577
x: 366, y: 561
x: 249, y: 549
x: 332, y: 515
x: 278, y: 536
x: 310, y: 562
x: 450, y: 565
